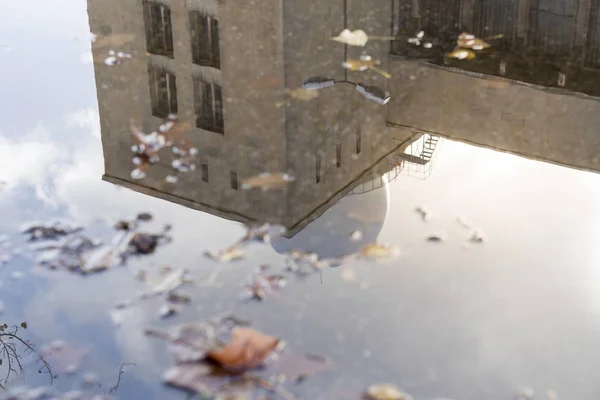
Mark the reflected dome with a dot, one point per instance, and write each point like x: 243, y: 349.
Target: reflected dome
x: 329, y: 235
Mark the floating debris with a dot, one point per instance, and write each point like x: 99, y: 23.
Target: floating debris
x: 145, y: 243
x: 167, y: 311
x: 378, y: 251
x: 144, y: 216
x: 172, y: 281
x: 50, y: 231
x: 263, y: 283
x: 469, y: 41
x: 462, y: 54
x: 246, y: 349
x: 99, y: 259
x: 477, y: 237
x: 172, y: 179
x: 417, y: 39
x: 357, y: 37
x: 364, y: 63
x: 385, y: 392
x: 179, y: 298
x: 437, y: 238
x: 356, y: 236
x: 424, y: 212
x: 233, y: 253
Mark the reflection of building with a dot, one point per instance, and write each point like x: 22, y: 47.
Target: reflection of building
x: 222, y: 67
x: 547, y: 42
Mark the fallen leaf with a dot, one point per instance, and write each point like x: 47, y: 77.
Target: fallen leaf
x: 357, y: 37
x: 98, y: 259
x: 364, y: 63
x: 233, y: 253
x: 171, y: 281
x: 167, y: 311
x: 477, y: 237
x: 437, y: 238
x: 179, y: 298
x: 144, y: 216
x: 375, y: 250
x: 424, y: 212
x: 143, y: 243
x: 385, y: 392
x: 462, y: 54
x: 247, y: 349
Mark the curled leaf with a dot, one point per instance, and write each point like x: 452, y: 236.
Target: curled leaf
x: 247, y: 349
x: 385, y: 392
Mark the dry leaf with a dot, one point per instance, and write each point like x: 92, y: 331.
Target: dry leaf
x: 424, y: 212
x: 247, y: 349
x: 364, y: 63
x: 462, y: 54
x: 357, y: 37
x: 375, y: 250
x: 385, y: 392
x: 233, y: 253
x: 267, y: 181
x: 171, y: 282
x: 303, y: 94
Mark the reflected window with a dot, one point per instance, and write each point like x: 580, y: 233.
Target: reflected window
x: 233, y: 179
x: 159, y: 32
x: 204, y: 171
x: 358, y: 140
x: 318, y: 169
x: 204, y: 33
x: 163, y: 92
x: 208, y: 100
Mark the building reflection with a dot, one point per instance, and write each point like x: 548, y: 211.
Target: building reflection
x: 545, y: 42
x: 224, y: 69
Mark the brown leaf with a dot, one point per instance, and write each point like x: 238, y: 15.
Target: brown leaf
x: 376, y: 250
x: 385, y: 392
x: 247, y: 349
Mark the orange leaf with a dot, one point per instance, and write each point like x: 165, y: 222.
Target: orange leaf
x: 247, y: 349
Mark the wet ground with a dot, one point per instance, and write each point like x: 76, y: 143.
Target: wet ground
x: 491, y: 290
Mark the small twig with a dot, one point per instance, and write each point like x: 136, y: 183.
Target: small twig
x: 121, y: 372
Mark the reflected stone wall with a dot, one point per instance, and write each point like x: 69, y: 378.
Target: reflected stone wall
x: 547, y: 124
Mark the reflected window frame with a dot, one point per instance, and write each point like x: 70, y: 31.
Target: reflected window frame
x: 208, y: 106
x: 205, y: 39
x: 158, y: 27
x: 163, y: 91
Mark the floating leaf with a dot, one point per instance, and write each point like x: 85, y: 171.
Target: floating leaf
x: 171, y: 282
x: 364, y: 63
x: 477, y: 237
x: 357, y: 37
x: 144, y: 216
x: 437, y: 238
x: 233, y: 253
x: 385, y: 392
x: 424, y: 212
x: 24, y: 325
x: 167, y: 311
x: 376, y: 250
x: 462, y: 54
x: 302, y: 94
x: 247, y: 349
